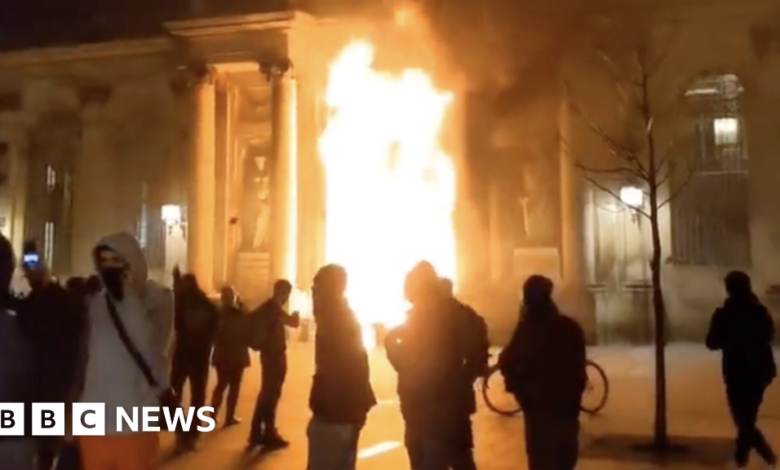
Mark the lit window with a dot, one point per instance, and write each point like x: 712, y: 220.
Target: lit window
x: 51, y: 179
x: 726, y: 131
x: 48, y: 242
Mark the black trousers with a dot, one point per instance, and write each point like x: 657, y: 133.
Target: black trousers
x: 273, y: 373
x: 551, y: 440
x: 463, y: 450
x: 227, y: 379
x: 744, y: 401
x: 192, y: 366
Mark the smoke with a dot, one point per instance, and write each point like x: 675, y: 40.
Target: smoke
x: 513, y: 48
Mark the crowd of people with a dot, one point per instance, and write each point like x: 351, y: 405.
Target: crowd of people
x: 107, y: 339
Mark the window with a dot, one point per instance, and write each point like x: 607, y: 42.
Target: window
x: 726, y: 130
x: 48, y: 243
x: 710, y: 224
x: 51, y: 179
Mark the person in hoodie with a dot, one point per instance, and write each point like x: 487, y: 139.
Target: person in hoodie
x: 429, y: 354
x: 16, y: 369
x: 196, y: 322
x: 544, y: 367
x: 112, y: 376
x: 743, y: 330
x: 341, y: 394
x: 231, y: 354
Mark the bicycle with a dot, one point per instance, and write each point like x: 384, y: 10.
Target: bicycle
x: 506, y: 405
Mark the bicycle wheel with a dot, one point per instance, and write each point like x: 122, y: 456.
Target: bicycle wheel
x: 495, y: 395
x: 596, y: 390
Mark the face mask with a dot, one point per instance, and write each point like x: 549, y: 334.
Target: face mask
x: 113, y: 279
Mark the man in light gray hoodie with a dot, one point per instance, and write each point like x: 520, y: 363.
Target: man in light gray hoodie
x: 112, y: 375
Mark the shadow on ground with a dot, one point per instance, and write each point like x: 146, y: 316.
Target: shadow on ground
x: 705, y: 451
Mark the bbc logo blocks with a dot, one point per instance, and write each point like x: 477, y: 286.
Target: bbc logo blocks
x: 89, y: 419
x: 48, y: 419
x: 12, y: 419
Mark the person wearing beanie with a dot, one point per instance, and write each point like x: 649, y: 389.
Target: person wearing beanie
x: 544, y: 368
x: 341, y: 394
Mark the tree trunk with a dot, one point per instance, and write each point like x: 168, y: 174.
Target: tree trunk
x: 660, y: 436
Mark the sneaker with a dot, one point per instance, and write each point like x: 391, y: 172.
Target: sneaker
x: 232, y: 422
x: 274, y: 442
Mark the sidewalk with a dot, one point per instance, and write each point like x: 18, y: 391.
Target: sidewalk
x: 697, y: 416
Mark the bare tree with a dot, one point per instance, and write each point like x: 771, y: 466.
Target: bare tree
x: 645, y: 96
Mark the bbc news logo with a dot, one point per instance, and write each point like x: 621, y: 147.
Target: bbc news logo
x: 89, y: 419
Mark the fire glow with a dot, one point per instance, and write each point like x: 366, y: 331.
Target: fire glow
x: 389, y: 186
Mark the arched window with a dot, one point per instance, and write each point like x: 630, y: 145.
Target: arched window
x: 710, y: 224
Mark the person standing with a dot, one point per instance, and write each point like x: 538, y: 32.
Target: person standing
x: 16, y: 369
x: 231, y: 354
x: 131, y: 314
x: 544, y: 367
x: 473, y: 332
x: 341, y: 394
x: 196, y: 322
x: 269, y: 338
x: 429, y: 354
x: 53, y: 320
x: 743, y: 330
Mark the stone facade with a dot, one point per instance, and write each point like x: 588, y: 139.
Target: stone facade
x: 221, y: 118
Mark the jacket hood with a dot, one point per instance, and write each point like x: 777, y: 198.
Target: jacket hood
x: 126, y: 246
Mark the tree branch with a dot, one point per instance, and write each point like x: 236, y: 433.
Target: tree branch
x: 679, y: 189
x: 616, y: 196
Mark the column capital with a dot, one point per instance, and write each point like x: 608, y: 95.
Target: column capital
x: 275, y: 68
x: 94, y: 94
x: 192, y: 75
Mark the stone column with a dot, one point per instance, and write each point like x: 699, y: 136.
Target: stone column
x: 13, y: 180
x: 284, y: 215
x: 573, y: 293
x: 93, y: 188
x: 202, y: 185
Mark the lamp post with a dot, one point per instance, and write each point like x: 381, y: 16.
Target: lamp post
x: 633, y: 198
x: 175, y: 237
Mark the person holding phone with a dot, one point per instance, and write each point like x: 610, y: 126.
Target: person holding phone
x: 53, y: 323
x: 131, y: 323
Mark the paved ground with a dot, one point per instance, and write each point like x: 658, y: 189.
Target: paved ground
x: 697, y: 417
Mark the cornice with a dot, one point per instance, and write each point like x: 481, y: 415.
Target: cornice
x: 238, y: 24
x: 105, y: 50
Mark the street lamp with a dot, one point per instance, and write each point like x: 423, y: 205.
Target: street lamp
x: 634, y: 198
x: 171, y: 215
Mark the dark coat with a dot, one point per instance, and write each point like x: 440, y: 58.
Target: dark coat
x: 544, y: 363
x: 429, y: 353
x: 231, y: 349
x: 743, y: 330
x: 196, y: 320
x: 341, y: 391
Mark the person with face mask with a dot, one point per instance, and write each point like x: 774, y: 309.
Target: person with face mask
x: 131, y: 322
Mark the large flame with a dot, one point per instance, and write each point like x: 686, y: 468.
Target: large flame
x: 390, y: 189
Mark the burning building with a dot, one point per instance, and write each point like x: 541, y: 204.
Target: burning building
x: 253, y: 147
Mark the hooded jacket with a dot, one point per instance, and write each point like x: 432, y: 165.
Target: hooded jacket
x: 112, y: 376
